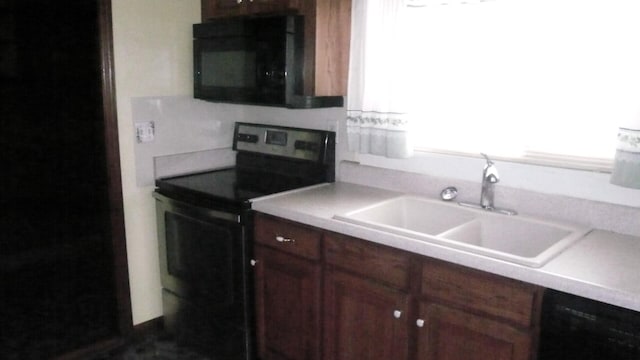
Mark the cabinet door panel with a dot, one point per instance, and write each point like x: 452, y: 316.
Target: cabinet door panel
x: 363, y: 320
x: 450, y: 334
x: 287, y: 306
x: 225, y: 8
x: 271, y: 6
x: 221, y: 8
x: 288, y: 237
x: 491, y: 294
x: 387, y: 265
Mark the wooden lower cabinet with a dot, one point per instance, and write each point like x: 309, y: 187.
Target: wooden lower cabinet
x: 363, y: 319
x: 450, y: 334
x: 333, y: 297
x: 287, y: 306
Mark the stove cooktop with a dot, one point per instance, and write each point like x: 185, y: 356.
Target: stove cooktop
x: 224, y: 188
x: 212, y: 189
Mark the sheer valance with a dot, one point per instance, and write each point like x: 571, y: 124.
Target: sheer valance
x: 376, y: 118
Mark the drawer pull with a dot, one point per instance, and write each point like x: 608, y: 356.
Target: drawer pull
x: 253, y: 262
x: 283, y: 239
x: 397, y: 314
x: 420, y: 323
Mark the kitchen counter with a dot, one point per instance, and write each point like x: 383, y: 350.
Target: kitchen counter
x: 603, y: 266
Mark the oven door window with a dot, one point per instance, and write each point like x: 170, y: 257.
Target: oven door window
x: 202, y: 256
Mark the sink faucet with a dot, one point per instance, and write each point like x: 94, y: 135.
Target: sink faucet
x: 489, y: 178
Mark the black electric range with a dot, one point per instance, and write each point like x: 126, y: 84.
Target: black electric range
x: 205, y: 233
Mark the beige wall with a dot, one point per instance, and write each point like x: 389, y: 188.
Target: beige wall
x: 152, y: 49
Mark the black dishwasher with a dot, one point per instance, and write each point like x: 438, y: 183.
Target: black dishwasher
x: 577, y: 328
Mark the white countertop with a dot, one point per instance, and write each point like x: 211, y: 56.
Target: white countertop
x: 603, y: 266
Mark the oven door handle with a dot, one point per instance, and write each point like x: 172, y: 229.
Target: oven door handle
x: 193, y: 210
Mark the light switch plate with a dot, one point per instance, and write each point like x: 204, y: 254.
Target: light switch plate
x: 145, y: 131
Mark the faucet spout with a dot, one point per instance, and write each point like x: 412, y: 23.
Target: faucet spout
x: 489, y: 178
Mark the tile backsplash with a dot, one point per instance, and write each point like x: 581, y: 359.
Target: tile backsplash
x: 190, y: 135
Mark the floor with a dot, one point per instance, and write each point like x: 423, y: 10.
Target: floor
x: 152, y: 347
x: 52, y: 302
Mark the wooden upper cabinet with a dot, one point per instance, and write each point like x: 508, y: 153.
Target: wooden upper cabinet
x: 327, y: 41
x: 224, y: 8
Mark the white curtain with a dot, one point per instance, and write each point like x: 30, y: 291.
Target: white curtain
x: 376, y: 107
x: 626, y: 163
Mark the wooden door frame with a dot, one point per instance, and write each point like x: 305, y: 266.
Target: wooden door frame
x: 114, y: 179
x: 116, y: 231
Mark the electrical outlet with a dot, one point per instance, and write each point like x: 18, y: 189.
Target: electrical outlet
x: 145, y: 131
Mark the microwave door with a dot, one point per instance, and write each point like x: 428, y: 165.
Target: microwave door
x: 225, y: 69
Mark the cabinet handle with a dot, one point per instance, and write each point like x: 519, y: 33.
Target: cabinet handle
x: 397, y: 314
x: 253, y: 262
x: 283, y: 239
x: 420, y: 323
x: 239, y: 1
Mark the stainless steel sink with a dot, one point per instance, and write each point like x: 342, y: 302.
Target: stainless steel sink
x: 518, y: 239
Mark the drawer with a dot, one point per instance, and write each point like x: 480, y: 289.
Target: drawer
x: 494, y: 295
x: 371, y: 260
x: 288, y: 237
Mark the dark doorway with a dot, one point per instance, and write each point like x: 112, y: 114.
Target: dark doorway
x: 63, y: 278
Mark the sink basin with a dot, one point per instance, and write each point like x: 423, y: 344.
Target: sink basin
x: 521, y: 240
x: 518, y: 239
x: 408, y: 214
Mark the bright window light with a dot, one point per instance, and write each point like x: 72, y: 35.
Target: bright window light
x: 525, y: 79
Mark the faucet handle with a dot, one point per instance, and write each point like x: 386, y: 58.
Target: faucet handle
x: 490, y: 172
x: 489, y: 161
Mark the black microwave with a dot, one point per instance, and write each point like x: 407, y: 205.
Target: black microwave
x: 253, y: 60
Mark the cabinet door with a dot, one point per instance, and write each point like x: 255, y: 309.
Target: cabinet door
x: 224, y: 8
x: 450, y: 334
x: 271, y: 6
x: 287, y: 306
x: 221, y: 8
x: 363, y: 320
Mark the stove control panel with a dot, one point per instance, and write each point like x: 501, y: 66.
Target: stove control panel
x: 296, y: 143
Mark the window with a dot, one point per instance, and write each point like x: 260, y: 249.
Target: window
x: 546, y: 81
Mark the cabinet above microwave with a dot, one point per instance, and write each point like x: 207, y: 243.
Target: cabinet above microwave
x: 224, y: 8
x: 327, y: 27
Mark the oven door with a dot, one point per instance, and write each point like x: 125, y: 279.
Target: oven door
x: 203, y: 255
x: 204, y: 274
